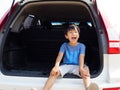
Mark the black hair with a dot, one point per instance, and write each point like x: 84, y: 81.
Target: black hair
x: 71, y: 27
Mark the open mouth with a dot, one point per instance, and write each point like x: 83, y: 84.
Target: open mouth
x: 74, y: 38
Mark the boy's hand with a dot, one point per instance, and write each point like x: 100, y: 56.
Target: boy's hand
x: 55, y: 71
x: 84, y: 72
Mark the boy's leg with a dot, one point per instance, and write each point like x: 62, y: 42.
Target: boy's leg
x: 63, y: 70
x: 86, y: 80
x: 50, y: 82
x: 88, y: 85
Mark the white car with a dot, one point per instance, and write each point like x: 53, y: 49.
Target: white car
x: 32, y: 32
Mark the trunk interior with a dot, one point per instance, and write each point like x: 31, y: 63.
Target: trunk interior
x: 31, y: 48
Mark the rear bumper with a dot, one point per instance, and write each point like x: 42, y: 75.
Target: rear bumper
x: 27, y: 83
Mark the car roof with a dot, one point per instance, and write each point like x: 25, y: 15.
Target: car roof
x: 87, y: 1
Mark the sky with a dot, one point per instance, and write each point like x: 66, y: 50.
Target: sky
x: 4, y: 5
x: 110, y: 8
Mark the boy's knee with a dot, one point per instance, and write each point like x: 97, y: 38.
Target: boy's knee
x: 86, y: 68
x: 55, y: 74
x: 45, y: 88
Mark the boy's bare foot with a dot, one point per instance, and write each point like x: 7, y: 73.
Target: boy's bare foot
x: 93, y: 86
x: 34, y: 89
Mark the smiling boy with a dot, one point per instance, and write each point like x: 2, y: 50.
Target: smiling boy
x: 72, y: 53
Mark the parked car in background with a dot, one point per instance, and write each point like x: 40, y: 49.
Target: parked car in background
x: 32, y: 32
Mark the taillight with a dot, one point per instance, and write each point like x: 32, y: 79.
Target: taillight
x: 117, y: 88
x: 114, y: 47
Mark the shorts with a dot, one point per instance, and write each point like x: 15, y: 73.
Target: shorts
x: 72, y: 69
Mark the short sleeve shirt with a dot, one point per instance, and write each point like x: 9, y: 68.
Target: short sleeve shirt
x: 72, y: 53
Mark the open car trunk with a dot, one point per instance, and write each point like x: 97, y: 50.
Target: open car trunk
x: 37, y: 32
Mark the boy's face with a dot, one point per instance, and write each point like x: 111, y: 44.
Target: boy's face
x: 73, y: 36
